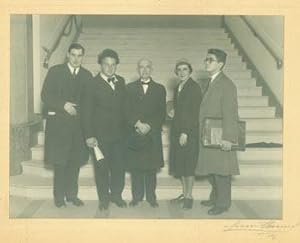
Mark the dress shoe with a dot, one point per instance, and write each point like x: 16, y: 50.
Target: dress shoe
x: 217, y: 210
x: 119, y: 202
x: 133, y: 203
x: 178, y: 199
x: 207, y: 203
x: 188, y: 203
x: 153, y: 204
x: 60, y: 204
x: 103, y: 205
x: 76, y: 201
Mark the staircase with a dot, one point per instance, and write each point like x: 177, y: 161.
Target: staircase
x: 261, y: 168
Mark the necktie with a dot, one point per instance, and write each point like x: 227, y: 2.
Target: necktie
x: 207, y: 86
x: 74, y: 73
x: 144, y: 83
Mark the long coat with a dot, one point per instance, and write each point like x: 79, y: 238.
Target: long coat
x: 186, y: 106
x: 149, y: 108
x: 63, y: 134
x: 103, y: 111
x: 219, y: 101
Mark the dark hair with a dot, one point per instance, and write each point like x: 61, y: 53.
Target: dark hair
x: 108, y: 53
x: 220, y: 55
x: 77, y: 47
x: 183, y: 62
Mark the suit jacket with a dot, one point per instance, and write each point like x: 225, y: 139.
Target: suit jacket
x: 220, y: 101
x: 63, y: 133
x: 149, y: 108
x: 103, y: 110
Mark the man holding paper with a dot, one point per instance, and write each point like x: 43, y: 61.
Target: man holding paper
x: 104, y: 127
x: 65, y: 148
x: 219, y: 164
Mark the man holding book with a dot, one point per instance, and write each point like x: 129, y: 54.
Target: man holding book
x: 219, y: 164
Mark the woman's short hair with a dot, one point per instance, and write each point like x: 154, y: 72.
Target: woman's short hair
x: 183, y: 62
x: 108, y: 53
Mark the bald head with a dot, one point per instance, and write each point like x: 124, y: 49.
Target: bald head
x: 144, y: 68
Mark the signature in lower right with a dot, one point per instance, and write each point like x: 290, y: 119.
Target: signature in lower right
x: 268, y: 229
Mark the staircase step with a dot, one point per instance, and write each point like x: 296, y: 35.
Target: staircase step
x: 250, y: 154
x: 267, y: 137
x: 163, y: 55
x: 253, y: 101
x: 256, y: 112
x: 147, y: 37
x: 255, y: 125
x: 90, y: 31
x: 263, y: 124
x: 159, y: 76
x: 247, y: 169
x: 252, y: 124
x: 150, y: 42
x: 269, y: 154
x: 36, y: 187
x: 168, y: 65
x: 158, y: 50
x: 251, y: 137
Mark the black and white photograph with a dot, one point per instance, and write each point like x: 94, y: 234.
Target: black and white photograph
x: 146, y: 116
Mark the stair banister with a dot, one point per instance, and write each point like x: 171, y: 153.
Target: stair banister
x: 65, y: 31
x: 278, y: 57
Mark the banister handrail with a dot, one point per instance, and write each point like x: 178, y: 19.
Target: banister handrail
x: 274, y: 54
x: 68, y: 26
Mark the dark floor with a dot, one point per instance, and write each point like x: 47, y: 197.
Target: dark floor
x: 25, y: 208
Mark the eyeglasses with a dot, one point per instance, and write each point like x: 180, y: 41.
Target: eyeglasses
x: 210, y: 60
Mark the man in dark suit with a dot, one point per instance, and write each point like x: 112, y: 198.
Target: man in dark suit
x: 219, y: 101
x: 104, y: 125
x: 145, y: 112
x: 64, y: 143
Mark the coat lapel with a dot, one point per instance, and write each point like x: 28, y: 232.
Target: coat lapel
x: 105, y: 84
x: 184, y: 90
x: 210, y: 89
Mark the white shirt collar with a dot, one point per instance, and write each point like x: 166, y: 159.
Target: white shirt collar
x: 213, y: 77
x: 72, y: 69
x: 106, y: 78
x: 146, y: 81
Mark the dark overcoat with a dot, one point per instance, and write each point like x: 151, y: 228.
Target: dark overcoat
x: 219, y: 101
x: 63, y: 133
x: 183, y: 159
x: 149, y: 108
x: 103, y: 111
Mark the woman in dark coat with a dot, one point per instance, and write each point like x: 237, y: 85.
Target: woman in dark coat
x: 185, y: 132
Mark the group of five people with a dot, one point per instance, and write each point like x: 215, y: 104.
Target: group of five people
x: 125, y: 121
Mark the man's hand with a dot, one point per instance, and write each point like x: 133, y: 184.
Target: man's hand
x: 91, y: 142
x: 142, y: 128
x: 183, y: 139
x: 226, y: 145
x: 70, y: 108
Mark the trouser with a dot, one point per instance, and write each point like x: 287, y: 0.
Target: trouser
x: 65, y: 182
x: 141, y: 181
x: 221, y: 190
x: 110, y: 172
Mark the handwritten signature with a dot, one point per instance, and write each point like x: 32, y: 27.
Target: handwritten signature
x: 268, y: 229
